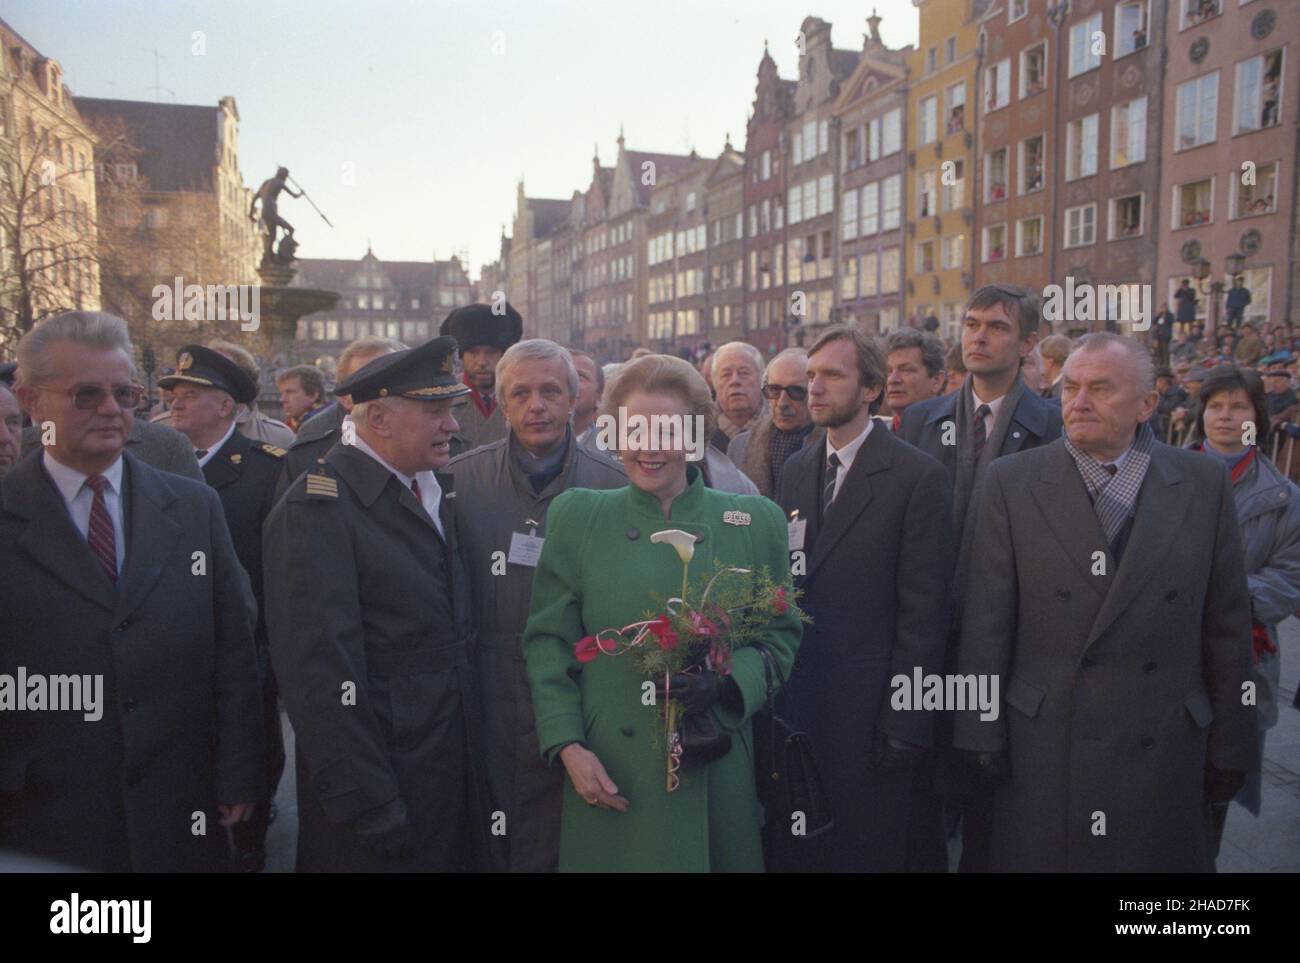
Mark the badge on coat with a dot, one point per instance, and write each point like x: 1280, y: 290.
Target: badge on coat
x: 736, y: 518
x: 525, y: 549
x: 798, y: 528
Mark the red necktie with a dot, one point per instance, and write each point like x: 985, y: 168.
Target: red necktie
x: 415, y: 490
x: 103, y: 542
x: 898, y: 420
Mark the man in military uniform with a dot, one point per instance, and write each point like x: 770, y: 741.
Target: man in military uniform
x: 208, y: 392
x: 504, y: 489
x: 322, y: 432
x: 367, y: 604
x: 483, y: 336
x: 251, y: 420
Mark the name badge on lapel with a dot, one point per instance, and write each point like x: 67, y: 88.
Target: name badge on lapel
x: 525, y: 549
x: 798, y: 527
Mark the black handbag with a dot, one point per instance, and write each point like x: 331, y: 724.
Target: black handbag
x: 785, y: 773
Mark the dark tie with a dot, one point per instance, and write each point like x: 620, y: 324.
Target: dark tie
x: 1111, y: 469
x: 103, y: 542
x: 832, y: 472
x: 981, y: 435
x: 415, y: 490
x: 200, y: 453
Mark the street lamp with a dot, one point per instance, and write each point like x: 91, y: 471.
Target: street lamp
x: 1214, y: 292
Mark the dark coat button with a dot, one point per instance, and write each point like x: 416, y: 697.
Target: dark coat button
x: 1147, y: 742
x: 1063, y: 594
x: 1149, y: 667
x: 633, y: 534
x: 627, y: 731
x: 129, y: 704
x: 323, y: 786
x: 1171, y: 595
x: 699, y: 538
x: 123, y: 625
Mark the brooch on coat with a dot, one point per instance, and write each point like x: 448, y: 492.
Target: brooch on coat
x: 736, y: 518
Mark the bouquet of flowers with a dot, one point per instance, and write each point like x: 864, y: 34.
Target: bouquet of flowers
x: 724, y: 611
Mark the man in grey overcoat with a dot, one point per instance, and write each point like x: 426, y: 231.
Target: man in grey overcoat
x: 1111, y: 606
x: 503, y: 490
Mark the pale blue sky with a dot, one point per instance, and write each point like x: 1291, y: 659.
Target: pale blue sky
x: 436, y: 125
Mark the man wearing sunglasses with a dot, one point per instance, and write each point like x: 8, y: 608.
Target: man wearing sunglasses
x: 122, y: 578
x: 784, y: 428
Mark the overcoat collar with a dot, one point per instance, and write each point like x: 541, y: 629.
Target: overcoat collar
x: 367, y: 479
x: 227, y: 466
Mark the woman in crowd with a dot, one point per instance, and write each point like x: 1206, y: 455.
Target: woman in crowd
x: 600, y: 570
x: 1230, y: 402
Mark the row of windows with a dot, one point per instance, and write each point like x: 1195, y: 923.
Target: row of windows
x: 879, y: 137
x: 871, y: 274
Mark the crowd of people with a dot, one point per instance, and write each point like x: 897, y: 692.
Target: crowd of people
x: 1096, y: 531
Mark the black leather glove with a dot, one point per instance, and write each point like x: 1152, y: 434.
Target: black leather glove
x: 987, y: 769
x: 893, y: 755
x: 385, y: 830
x: 696, y: 691
x: 703, y: 740
x: 1222, y: 785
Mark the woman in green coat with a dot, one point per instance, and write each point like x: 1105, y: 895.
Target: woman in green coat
x: 598, y: 569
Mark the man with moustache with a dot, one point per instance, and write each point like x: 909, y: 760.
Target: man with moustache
x: 1112, y: 603
x: 914, y: 370
x: 737, y: 380
x: 208, y: 391
x: 367, y: 605
x: 482, y: 333
x: 873, y: 532
x: 785, y: 427
x: 503, y: 490
x: 992, y: 415
x: 119, y: 571
x: 11, y: 430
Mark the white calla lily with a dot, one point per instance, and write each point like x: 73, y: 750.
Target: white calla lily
x: 683, y: 542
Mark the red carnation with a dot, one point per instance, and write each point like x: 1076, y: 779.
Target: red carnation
x: 779, y: 602
x: 664, y: 634
x: 586, y: 650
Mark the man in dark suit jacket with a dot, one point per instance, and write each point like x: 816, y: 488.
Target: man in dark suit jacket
x: 207, y: 390
x: 125, y: 578
x: 875, y: 563
x: 993, y: 414
x: 1112, y: 604
x: 369, y: 612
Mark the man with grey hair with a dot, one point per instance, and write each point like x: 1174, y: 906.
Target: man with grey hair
x: 123, y: 578
x: 504, y: 489
x: 1112, y: 603
x: 914, y: 370
x: 784, y: 428
x: 11, y: 430
x: 737, y: 384
x: 368, y: 611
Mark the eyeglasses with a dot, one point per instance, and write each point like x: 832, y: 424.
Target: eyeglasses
x: 90, y: 397
x: 796, y: 392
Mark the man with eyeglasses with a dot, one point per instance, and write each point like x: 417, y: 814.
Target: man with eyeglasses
x: 784, y: 428
x: 157, y: 445
x: 122, y: 579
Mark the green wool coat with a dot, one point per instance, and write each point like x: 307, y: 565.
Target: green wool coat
x: 599, y: 569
